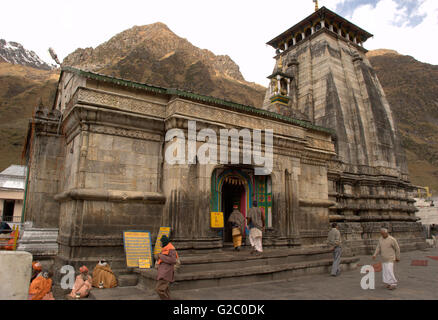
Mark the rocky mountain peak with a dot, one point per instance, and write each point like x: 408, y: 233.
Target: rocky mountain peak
x: 15, y: 53
x: 144, y: 44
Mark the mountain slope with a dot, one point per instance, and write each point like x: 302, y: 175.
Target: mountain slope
x: 154, y: 54
x: 22, y: 88
x: 412, y: 91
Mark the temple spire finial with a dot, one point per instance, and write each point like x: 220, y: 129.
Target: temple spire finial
x: 316, y: 5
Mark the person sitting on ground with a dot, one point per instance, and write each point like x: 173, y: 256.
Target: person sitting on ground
x: 166, y: 267
x: 82, y: 285
x: 103, y: 276
x: 41, y: 287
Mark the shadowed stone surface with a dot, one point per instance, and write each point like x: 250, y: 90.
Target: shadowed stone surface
x: 415, y: 283
x: 15, y: 273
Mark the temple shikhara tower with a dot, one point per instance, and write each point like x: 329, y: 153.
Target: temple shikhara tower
x: 322, y: 75
x: 97, y: 164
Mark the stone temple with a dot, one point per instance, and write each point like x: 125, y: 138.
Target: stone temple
x: 97, y: 162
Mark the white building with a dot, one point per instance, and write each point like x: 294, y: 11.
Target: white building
x: 12, y: 185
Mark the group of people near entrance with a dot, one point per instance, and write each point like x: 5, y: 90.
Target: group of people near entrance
x: 168, y: 259
x: 256, y: 224
x: 387, y: 248
x: 41, y: 283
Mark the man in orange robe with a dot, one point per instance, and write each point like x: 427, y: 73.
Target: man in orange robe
x: 82, y: 285
x: 41, y: 287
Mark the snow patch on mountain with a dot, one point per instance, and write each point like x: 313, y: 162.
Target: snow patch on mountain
x: 15, y: 53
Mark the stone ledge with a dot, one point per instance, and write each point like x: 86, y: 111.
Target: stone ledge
x: 257, y: 270
x: 371, y: 218
x: 227, y: 257
x: 111, y: 195
x: 316, y: 203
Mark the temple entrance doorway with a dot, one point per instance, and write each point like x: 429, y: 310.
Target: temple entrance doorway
x: 233, y: 193
x: 239, y: 186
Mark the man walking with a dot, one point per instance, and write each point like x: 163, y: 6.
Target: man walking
x: 389, y: 249
x: 237, y: 221
x: 256, y: 222
x: 334, y: 241
x: 166, y: 267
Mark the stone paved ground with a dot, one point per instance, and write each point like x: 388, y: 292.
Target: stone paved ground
x: 415, y: 282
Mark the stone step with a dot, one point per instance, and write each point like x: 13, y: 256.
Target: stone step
x: 127, y: 280
x: 250, y: 274
x: 122, y: 293
x: 234, y: 259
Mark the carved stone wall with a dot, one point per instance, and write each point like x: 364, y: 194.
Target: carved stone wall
x: 112, y: 182
x: 47, y: 150
x: 338, y: 89
x: 112, y: 175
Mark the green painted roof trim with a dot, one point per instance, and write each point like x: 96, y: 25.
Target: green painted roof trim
x: 193, y: 96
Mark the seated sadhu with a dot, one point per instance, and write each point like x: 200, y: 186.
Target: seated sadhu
x: 41, y: 287
x: 103, y: 276
x: 83, y: 284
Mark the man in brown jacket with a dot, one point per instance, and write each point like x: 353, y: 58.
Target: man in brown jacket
x: 166, y: 264
x: 389, y: 249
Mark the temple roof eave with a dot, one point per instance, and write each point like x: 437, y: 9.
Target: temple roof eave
x: 322, y: 13
x: 280, y: 74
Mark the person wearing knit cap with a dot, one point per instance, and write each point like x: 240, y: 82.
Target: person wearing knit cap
x: 82, y: 286
x: 167, y: 259
x: 41, y: 287
x: 36, y: 269
x: 237, y: 221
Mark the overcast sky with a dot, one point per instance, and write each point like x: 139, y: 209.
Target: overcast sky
x: 238, y: 28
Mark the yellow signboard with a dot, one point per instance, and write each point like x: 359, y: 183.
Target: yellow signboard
x: 164, y: 231
x: 217, y: 220
x: 144, y: 263
x: 137, y: 247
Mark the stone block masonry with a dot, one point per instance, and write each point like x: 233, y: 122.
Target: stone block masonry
x: 15, y: 273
